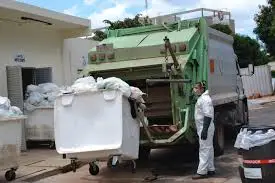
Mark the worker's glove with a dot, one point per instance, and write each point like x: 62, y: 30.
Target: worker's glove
x: 203, y: 135
x: 206, y: 124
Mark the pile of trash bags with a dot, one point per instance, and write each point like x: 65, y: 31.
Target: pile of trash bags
x: 88, y: 84
x: 247, y: 139
x: 6, y: 110
x: 42, y: 95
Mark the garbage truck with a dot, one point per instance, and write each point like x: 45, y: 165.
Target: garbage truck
x: 165, y: 61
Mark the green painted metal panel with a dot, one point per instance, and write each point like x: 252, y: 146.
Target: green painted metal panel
x: 176, y: 36
x: 132, y: 63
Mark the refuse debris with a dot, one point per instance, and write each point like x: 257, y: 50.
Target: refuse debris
x: 42, y: 95
x: 87, y: 84
x: 6, y: 110
x: 246, y: 139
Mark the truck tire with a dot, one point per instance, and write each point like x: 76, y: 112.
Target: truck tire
x: 219, y: 140
x: 144, y: 153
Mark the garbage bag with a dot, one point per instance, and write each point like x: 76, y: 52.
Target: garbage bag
x: 4, y: 103
x: 115, y: 84
x: 84, y: 84
x: 48, y: 88
x: 33, y: 88
x: 137, y: 94
x: 35, y: 98
x: 247, y: 140
x: 16, y: 111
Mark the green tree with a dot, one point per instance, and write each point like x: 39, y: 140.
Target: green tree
x: 247, y: 50
x: 223, y: 28
x: 265, y: 29
x: 137, y: 21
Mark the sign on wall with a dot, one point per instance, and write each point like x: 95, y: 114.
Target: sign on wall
x: 19, y: 58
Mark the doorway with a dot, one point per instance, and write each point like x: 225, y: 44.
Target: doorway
x: 18, y: 78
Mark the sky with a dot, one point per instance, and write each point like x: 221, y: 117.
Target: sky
x: 242, y: 11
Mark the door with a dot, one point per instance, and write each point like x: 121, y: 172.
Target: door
x: 43, y: 75
x: 15, y: 86
x: 15, y: 94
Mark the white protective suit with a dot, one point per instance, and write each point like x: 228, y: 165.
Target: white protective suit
x: 204, y: 107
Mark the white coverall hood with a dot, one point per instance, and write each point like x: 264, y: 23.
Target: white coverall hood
x: 204, y: 107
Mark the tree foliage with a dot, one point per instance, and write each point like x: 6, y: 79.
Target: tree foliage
x: 247, y: 49
x: 223, y: 28
x: 137, y: 21
x: 265, y: 28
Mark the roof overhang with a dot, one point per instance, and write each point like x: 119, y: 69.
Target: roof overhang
x: 20, y: 13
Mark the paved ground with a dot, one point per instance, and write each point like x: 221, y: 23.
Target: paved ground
x: 172, y: 166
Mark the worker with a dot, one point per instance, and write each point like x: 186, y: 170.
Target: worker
x: 204, y: 115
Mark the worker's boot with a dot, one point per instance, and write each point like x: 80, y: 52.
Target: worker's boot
x: 198, y: 176
x: 211, y: 173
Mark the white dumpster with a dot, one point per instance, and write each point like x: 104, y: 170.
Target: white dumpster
x: 96, y: 126
x: 10, y: 145
x: 40, y: 126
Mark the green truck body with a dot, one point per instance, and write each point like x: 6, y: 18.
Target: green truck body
x: 139, y: 57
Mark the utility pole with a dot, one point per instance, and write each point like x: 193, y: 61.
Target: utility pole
x: 146, y: 7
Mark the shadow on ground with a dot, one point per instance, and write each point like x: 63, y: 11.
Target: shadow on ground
x: 170, y: 165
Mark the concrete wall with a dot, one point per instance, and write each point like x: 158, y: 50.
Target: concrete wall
x: 75, y: 57
x: 40, y: 47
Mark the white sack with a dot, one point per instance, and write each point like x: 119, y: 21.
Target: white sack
x: 84, y: 84
x: 35, y: 98
x: 48, y: 88
x: 114, y: 83
x: 137, y: 94
x: 247, y: 140
x: 33, y: 88
x: 16, y: 111
x: 4, y: 103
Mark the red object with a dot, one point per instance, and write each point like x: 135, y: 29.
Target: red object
x: 111, y: 56
x: 93, y: 57
x: 259, y: 162
x: 102, y: 56
x: 212, y: 66
x: 182, y: 47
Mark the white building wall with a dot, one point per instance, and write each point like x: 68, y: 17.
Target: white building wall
x: 75, y: 57
x: 40, y: 47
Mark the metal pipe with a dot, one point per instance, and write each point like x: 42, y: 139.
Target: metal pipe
x: 168, y: 80
x: 169, y: 47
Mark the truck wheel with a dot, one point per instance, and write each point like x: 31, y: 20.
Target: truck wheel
x: 10, y: 175
x: 219, y: 140
x: 144, y: 153
x: 93, y: 169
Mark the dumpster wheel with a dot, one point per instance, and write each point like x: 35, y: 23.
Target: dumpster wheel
x: 10, y: 175
x: 52, y: 145
x: 93, y: 169
x: 73, y: 165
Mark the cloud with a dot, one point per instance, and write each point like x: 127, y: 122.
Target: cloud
x: 117, y: 12
x: 89, y: 2
x: 72, y: 11
x: 161, y: 7
x: 242, y: 12
x: 120, y: 10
